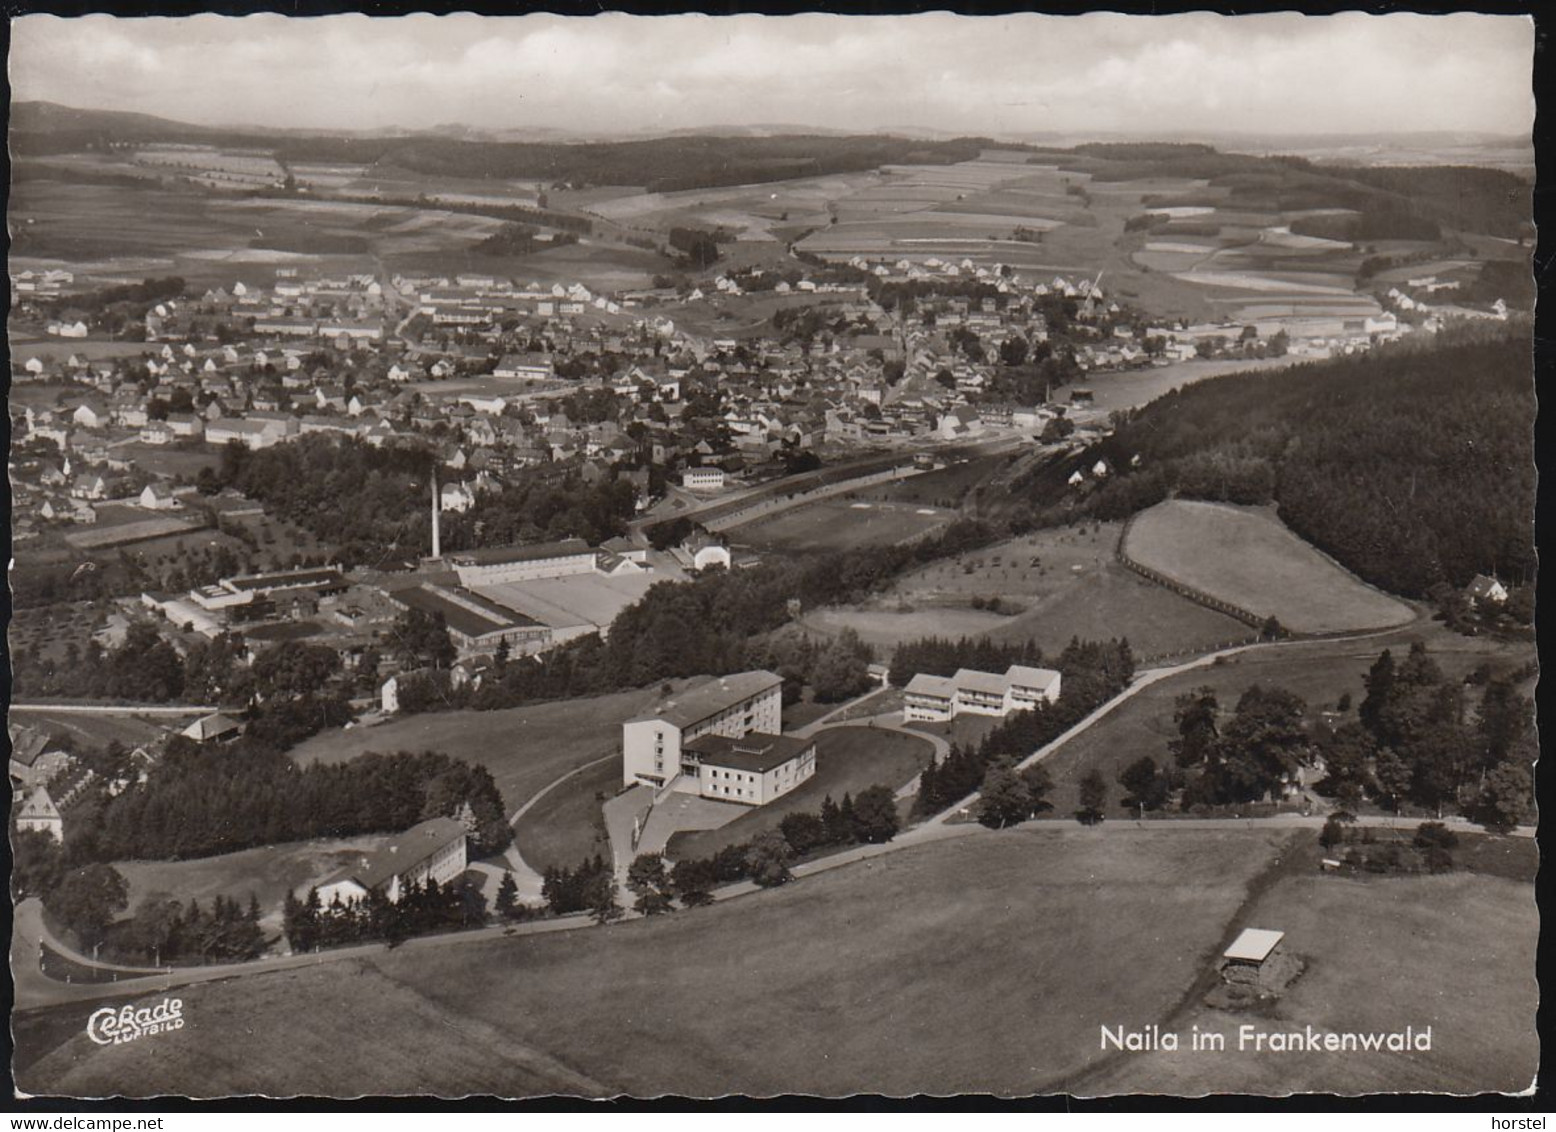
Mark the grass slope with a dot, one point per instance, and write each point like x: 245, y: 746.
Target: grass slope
x: 268, y: 872
x: 1248, y: 558
x: 525, y: 748
x: 1453, y: 952
x: 895, y: 976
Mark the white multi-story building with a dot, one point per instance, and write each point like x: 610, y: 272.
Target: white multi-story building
x: 933, y: 699
x: 752, y: 770
x: 734, y: 707
x: 702, y: 479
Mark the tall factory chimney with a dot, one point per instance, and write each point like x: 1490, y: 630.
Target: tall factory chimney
x: 437, y: 542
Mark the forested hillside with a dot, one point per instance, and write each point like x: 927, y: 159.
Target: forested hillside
x: 663, y: 164
x: 1410, y: 466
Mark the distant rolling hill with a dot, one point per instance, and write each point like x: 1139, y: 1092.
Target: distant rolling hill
x: 663, y: 164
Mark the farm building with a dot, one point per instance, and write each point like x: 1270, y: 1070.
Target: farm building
x: 39, y: 814
x: 1253, y: 947
x: 933, y: 698
x: 1483, y: 590
x: 34, y: 760
x: 215, y: 727
x: 434, y: 850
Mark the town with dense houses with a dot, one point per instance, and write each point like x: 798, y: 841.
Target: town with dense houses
x: 508, y: 595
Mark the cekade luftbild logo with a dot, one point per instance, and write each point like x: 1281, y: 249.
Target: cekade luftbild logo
x: 112, y: 1026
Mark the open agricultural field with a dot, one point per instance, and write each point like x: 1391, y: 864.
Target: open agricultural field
x: 268, y: 873
x: 899, y: 1013
x: 1246, y: 557
x: 848, y: 760
x: 842, y: 523
x: 525, y: 748
x: 1320, y: 672
x: 1453, y: 952
x: 114, y: 231
x: 1052, y: 585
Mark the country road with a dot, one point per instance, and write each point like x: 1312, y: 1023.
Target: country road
x: 34, y: 990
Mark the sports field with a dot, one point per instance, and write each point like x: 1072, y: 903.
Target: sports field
x: 843, y: 523
x: 1246, y: 557
x: 1069, y: 930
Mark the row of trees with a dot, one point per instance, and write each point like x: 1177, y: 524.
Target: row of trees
x: 422, y: 909
x: 201, y: 800
x: 871, y: 818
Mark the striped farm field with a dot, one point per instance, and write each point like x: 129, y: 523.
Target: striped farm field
x: 1248, y: 558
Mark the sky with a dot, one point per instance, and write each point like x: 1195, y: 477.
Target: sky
x: 605, y: 75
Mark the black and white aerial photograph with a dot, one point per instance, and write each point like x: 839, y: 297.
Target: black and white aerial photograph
x: 630, y: 557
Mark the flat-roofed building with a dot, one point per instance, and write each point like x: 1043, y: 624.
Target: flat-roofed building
x: 752, y: 770
x: 1253, y: 946
x: 476, y: 624
x: 732, y: 706
x: 497, y: 565
x: 931, y: 699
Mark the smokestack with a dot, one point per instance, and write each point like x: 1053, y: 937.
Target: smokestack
x: 437, y: 505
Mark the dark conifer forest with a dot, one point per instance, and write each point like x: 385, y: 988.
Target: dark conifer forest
x: 1411, y: 467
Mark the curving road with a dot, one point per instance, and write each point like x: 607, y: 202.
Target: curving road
x: 34, y: 990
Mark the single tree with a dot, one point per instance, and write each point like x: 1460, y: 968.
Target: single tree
x: 875, y: 815
x: 767, y: 859
x: 1003, y: 798
x: 1093, y: 798
x: 507, y: 896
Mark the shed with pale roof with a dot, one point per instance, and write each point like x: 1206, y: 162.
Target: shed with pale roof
x: 1254, y: 946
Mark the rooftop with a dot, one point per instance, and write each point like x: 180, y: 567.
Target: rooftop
x: 470, y: 614
x: 1254, y: 945
x: 284, y: 578
x: 401, y: 853
x: 709, y: 699
x: 755, y: 752
x: 499, y: 555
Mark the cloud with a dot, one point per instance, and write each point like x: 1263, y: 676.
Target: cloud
x: 612, y: 73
